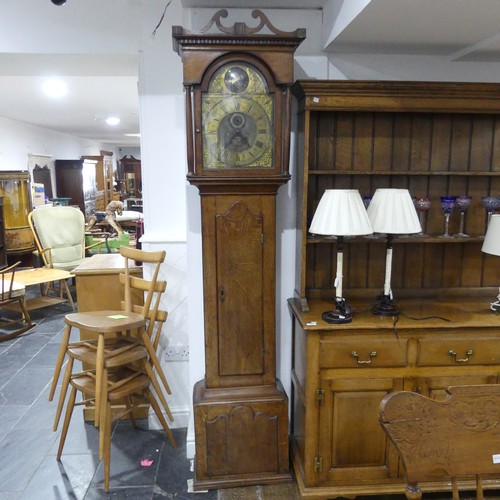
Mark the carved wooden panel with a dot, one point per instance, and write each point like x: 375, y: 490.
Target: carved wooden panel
x: 457, y: 436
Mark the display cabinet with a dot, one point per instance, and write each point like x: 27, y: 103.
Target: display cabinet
x: 434, y: 139
x: 130, y: 174
x: 76, y: 180
x: 16, y: 192
x: 104, y: 178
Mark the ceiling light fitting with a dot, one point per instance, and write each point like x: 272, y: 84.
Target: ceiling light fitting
x: 112, y: 120
x: 58, y: 2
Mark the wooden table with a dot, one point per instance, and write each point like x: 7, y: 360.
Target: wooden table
x: 98, y: 288
x: 98, y: 282
x: 43, y: 276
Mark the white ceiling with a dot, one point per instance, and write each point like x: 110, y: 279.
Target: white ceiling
x: 105, y: 81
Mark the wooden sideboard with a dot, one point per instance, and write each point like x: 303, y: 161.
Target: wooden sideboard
x: 340, y: 373
x: 434, y: 139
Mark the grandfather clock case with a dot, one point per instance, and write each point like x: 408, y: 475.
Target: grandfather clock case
x: 237, y: 87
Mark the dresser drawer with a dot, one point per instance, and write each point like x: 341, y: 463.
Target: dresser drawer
x: 446, y: 352
x: 362, y: 353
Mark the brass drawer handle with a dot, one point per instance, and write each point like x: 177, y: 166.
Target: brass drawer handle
x: 453, y: 354
x: 355, y: 355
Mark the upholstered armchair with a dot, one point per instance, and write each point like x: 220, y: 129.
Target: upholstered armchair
x: 59, y: 234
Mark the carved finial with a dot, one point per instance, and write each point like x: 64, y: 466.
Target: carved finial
x: 241, y: 29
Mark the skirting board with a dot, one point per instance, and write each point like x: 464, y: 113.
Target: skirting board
x: 181, y: 419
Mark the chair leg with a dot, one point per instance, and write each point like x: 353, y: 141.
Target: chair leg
x: 99, y: 367
x: 24, y: 309
x: 129, y: 403
x: 155, y: 361
x: 62, y: 395
x: 158, y: 390
x: 67, y: 419
x: 106, y: 430
x: 479, y: 488
x: 454, y: 489
x: 103, y: 413
x: 68, y: 294
x: 161, y: 418
x: 59, y: 361
x: 413, y: 491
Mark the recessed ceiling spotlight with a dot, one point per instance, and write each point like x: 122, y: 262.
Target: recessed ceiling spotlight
x: 58, y: 2
x: 112, y: 120
x: 54, y: 87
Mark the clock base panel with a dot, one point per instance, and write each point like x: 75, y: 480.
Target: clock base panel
x: 241, y: 436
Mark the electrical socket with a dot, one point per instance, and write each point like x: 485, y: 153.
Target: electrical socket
x: 177, y: 353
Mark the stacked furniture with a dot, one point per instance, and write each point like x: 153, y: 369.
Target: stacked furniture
x: 434, y: 139
x: 121, y: 362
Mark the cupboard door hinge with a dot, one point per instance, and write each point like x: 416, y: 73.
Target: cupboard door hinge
x: 320, y: 396
x: 318, y: 464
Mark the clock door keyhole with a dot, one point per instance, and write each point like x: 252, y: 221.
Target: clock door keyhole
x: 222, y: 293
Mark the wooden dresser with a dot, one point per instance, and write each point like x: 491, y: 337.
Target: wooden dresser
x: 434, y: 139
x: 342, y: 372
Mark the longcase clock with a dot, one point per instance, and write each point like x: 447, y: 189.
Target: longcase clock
x: 238, y: 100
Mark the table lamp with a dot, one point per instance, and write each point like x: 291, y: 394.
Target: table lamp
x: 340, y: 212
x: 491, y: 245
x: 391, y: 212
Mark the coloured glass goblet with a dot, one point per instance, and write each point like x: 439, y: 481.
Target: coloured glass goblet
x: 447, y: 204
x: 463, y: 204
x: 422, y: 205
x: 490, y: 204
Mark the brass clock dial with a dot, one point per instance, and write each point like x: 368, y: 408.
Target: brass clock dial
x: 237, y: 120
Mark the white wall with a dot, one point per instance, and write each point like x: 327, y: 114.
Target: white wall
x: 18, y: 139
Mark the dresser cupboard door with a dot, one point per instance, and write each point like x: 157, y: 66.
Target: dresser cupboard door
x: 352, y: 445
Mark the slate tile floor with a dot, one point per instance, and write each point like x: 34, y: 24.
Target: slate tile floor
x: 29, y: 469
x: 28, y: 466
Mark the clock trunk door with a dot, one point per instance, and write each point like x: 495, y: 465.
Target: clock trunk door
x: 239, y: 334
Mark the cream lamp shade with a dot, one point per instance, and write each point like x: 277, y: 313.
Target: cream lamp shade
x: 491, y: 242
x: 392, y: 211
x: 340, y: 212
x: 491, y: 245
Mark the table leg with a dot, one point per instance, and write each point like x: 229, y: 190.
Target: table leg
x: 68, y: 294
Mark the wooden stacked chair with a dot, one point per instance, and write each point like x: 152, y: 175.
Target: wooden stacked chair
x: 457, y: 438
x: 11, y: 292
x: 121, y: 363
